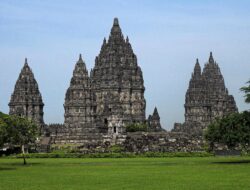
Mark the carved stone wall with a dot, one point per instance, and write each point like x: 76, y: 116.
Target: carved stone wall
x: 117, y: 82
x: 78, y: 102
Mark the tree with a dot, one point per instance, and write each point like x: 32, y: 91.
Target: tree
x: 246, y: 90
x: 4, y: 119
x: 18, y: 131
x: 3, y: 132
x: 231, y: 130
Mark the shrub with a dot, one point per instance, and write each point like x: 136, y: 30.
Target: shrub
x: 231, y: 130
x: 134, y: 127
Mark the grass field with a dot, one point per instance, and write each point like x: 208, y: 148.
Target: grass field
x: 126, y: 173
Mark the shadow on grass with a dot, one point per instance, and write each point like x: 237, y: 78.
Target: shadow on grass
x: 17, y: 164
x: 233, y: 162
x: 6, y: 169
x: 166, y: 163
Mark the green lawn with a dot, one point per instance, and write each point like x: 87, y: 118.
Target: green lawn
x: 126, y: 173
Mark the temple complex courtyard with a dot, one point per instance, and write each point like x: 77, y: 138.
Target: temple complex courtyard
x: 126, y: 173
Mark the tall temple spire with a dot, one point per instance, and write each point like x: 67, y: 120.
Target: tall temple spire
x: 110, y: 84
x: 26, y: 100
x: 211, y: 59
x: 78, y: 95
x: 206, y: 98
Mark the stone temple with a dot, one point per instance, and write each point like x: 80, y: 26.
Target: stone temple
x: 108, y: 99
x: 100, y: 104
x: 26, y: 99
x: 117, y: 84
x: 206, y: 98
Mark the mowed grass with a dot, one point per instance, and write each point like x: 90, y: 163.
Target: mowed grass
x: 126, y: 173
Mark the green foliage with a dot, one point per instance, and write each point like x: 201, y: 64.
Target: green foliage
x: 246, y: 90
x: 3, y: 132
x: 5, y: 121
x: 231, y: 130
x: 134, y: 127
x: 16, y: 130
x: 19, y: 130
x: 116, y: 148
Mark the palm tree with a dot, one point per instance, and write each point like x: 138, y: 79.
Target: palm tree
x: 246, y: 90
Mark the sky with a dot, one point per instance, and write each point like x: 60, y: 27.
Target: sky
x: 166, y: 36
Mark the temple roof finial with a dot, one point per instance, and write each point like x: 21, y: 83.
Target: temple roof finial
x: 211, y: 59
x: 80, y: 60
x: 116, y: 22
x: 26, y: 61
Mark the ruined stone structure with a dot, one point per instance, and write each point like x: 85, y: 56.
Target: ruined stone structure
x: 206, y: 98
x: 154, y: 121
x: 163, y: 141
x: 26, y: 99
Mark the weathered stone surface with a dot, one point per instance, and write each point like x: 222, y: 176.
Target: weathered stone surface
x: 163, y: 142
x: 117, y: 84
x: 78, y: 102
x: 26, y: 100
x: 206, y: 98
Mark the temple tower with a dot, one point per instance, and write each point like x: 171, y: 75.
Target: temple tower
x: 78, y: 98
x: 216, y: 92
x: 117, y: 82
x: 26, y: 100
x: 195, y: 97
x: 207, y: 97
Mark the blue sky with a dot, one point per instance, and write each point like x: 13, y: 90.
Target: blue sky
x: 167, y: 37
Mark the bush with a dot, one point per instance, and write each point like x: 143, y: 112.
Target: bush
x: 116, y: 148
x: 134, y: 127
x: 231, y: 130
